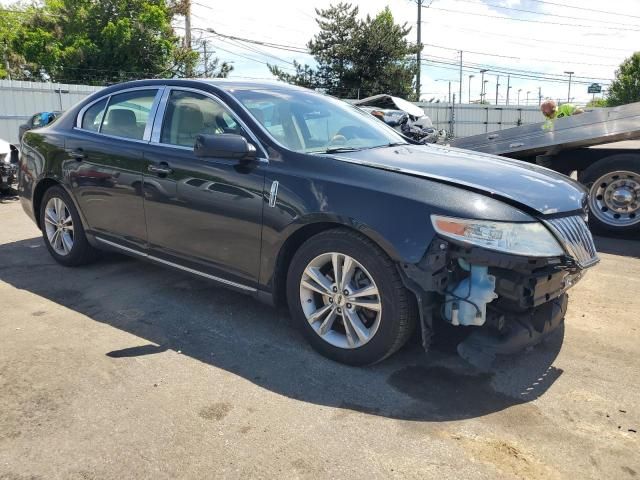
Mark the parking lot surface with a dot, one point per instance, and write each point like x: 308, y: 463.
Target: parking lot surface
x: 124, y: 369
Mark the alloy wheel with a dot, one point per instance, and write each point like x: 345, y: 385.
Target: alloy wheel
x: 340, y: 300
x: 59, y: 226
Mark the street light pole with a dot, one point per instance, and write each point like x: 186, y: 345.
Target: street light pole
x: 483, y: 90
x: 470, y: 77
x: 418, y: 54
x: 519, y: 90
x: 569, y: 94
x: 497, y: 87
x: 528, y: 98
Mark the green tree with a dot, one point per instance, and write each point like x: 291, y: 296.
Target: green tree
x: 383, y: 58
x: 597, y: 103
x: 625, y: 88
x: 97, y: 41
x: 356, y: 57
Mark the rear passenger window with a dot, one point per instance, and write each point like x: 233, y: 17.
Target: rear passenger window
x: 93, y: 116
x: 128, y: 113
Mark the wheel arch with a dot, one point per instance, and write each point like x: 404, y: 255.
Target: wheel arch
x: 38, y: 194
x: 41, y: 187
x: 299, y: 235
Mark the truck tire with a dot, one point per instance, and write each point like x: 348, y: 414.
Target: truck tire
x: 614, y: 194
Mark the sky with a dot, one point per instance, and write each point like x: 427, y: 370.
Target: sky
x: 549, y: 38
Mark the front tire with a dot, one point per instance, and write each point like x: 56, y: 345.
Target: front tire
x: 359, y: 316
x: 62, y: 229
x: 614, y: 194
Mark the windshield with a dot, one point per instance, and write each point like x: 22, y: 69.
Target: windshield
x: 313, y: 123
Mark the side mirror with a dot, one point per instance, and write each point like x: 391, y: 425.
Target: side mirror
x: 225, y: 145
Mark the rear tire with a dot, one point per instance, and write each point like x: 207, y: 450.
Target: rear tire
x: 611, y: 178
x: 360, y: 334
x: 62, y: 229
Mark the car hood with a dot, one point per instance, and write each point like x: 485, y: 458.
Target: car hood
x: 519, y: 183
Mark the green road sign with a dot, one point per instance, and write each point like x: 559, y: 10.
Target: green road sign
x: 595, y: 88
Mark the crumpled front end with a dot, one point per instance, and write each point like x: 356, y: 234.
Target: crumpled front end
x: 509, y: 301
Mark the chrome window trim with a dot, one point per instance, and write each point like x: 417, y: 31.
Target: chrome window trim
x: 175, y: 265
x: 152, y: 113
x: 157, y: 124
x: 115, y: 137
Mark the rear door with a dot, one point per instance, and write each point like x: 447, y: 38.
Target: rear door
x: 105, y: 161
x: 204, y: 214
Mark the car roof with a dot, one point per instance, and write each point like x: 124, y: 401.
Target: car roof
x: 226, y: 84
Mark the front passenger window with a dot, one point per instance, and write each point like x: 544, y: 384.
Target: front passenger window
x: 189, y: 114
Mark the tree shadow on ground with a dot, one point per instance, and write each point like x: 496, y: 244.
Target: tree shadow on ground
x: 227, y: 330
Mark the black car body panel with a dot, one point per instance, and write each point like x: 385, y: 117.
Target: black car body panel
x: 233, y: 221
x: 503, y: 178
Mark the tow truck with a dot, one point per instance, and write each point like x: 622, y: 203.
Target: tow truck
x: 602, y: 146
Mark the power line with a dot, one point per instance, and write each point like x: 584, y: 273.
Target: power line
x: 513, y: 69
x: 452, y: 65
x: 564, y: 5
x: 493, y: 5
x: 564, y: 62
x: 531, y: 21
x: 539, y: 40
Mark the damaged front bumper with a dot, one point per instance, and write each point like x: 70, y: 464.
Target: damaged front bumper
x: 510, y: 302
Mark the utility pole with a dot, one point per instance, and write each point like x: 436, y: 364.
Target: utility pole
x: 508, y: 87
x: 187, y: 32
x: 482, y: 86
x: 449, y: 93
x: 206, y: 58
x: 539, y: 96
x: 6, y: 60
x: 460, y: 97
x: 497, y: 88
x: 470, y: 77
x: 418, y: 55
x: 569, y: 94
x: 453, y: 117
x: 528, y: 92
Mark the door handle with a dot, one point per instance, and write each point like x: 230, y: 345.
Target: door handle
x: 162, y: 169
x: 77, y: 153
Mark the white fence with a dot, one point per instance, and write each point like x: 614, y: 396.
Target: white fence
x: 466, y: 120
x: 20, y: 100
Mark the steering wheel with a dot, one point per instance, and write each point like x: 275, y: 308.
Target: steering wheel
x: 338, y: 140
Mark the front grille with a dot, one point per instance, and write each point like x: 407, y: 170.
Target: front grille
x: 576, y: 239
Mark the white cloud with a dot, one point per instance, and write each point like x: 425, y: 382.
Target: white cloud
x: 550, y: 49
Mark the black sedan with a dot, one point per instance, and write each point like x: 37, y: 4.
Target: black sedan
x: 298, y: 198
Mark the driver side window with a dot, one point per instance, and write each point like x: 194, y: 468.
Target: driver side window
x: 189, y: 114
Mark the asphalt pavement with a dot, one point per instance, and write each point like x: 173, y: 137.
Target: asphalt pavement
x: 124, y: 369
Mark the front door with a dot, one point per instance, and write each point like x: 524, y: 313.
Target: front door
x: 205, y: 214
x: 104, y: 169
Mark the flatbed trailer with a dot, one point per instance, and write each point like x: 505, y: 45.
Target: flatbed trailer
x: 602, y: 146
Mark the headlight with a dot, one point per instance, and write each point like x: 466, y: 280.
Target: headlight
x: 529, y: 239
